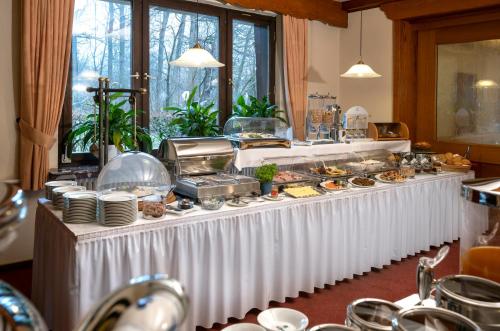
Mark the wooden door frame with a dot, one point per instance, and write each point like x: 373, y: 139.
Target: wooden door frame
x: 414, y: 68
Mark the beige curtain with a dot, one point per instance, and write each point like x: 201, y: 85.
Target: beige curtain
x: 295, y: 54
x: 45, y: 55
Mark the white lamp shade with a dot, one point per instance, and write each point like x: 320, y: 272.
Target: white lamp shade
x: 197, y: 57
x: 360, y: 70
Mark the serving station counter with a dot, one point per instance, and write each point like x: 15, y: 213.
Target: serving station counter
x: 237, y: 258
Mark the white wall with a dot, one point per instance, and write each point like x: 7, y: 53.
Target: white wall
x: 324, y: 50
x: 333, y: 50
x: 374, y: 94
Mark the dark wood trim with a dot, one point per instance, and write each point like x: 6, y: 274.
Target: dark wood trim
x: 16, y: 266
x: 326, y: 11
x: 411, y: 9
x: 357, y: 5
x: 404, y: 78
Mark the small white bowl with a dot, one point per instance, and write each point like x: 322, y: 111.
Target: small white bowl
x: 288, y: 319
x: 244, y: 327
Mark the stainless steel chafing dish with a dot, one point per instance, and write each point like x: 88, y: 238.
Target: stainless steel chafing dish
x: 201, y: 168
x: 255, y: 132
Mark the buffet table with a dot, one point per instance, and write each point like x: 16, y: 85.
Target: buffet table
x: 236, y: 259
x: 251, y: 158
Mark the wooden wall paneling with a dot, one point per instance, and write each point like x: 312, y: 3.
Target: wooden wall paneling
x: 410, y: 9
x: 457, y: 19
x: 357, y: 5
x: 469, y: 33
x: 404, y: 75
x: 426, y: 87
x: 326, y: 11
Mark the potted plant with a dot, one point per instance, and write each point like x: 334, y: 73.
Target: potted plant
x: 265, y: 174
x: 196, y: 119
x: 254, y: 107
x: 120, y: 135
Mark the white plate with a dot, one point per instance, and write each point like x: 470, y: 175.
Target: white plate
x: 360, y: 186
x: 234, y: 204
x: 286, y: 318
x: 117, y: 197
x: 182, y: 212
x: 380, y: 179
x: 270, y: 198
x: 323, y: 185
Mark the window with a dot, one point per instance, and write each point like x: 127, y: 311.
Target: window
x: 113, y: 38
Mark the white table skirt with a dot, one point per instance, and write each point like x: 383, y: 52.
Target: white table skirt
x: 251, y: 158
x: 233, y: 260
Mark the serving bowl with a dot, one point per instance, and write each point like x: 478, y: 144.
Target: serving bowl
x: 212, y: 203
x: 244, y: 327
x: 277, y: 319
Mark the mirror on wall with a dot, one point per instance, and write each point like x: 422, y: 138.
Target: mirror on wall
x: 468, y: 92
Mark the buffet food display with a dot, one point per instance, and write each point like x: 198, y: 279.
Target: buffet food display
x: 137, y: 185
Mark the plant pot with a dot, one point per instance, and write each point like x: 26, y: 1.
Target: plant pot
x: 112, y: 152
x: 266, y: 188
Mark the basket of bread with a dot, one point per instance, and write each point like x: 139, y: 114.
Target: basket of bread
x: 453, y: 162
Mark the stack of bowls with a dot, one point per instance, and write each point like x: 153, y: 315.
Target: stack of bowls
x: 79, y: 207
x: 49, y: 186
x: 117, y: 208
x: 58, y: 192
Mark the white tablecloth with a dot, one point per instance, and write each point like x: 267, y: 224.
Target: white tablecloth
x: 252, y: 158
x: 233, y: 260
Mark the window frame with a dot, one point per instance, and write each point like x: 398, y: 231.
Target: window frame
x: 140, y: 62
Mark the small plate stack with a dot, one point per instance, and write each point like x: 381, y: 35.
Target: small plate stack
x: 58, y: 192
x: 49, y: 186
x: 80, y: 207
x: 117, y: 209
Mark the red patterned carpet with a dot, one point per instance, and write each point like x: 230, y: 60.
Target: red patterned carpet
x: 392, y: 283
x: 326, y: 305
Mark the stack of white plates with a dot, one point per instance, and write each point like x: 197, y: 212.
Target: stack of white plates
x: 49, y: 186
x: 117, y: 208
x: 80, y: 207
x: 57, y: 194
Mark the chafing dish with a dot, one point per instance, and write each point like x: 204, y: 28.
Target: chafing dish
x: 427, y: 318
x: 201, y: 168
x: 473, y: 297
x: 371, y: 314
x: 256, y: 132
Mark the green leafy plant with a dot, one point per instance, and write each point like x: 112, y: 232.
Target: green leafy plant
x: 195, y: 119
x: 120, y: 134
x: 265, y: 173
x: 256, y: 108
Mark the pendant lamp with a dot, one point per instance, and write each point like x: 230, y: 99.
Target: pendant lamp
x: 197, y: 56
x: 360, y: 69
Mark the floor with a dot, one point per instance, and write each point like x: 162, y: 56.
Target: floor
x: 326, y: 305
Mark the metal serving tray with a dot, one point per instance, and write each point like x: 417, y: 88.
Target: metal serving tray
x: 199, y: 187
x: 247, y: 143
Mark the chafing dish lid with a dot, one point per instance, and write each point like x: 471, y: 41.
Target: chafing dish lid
x: 427, y: 318
x: 470, y: 289
x: 179, y: 148
x: 374, y: 314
